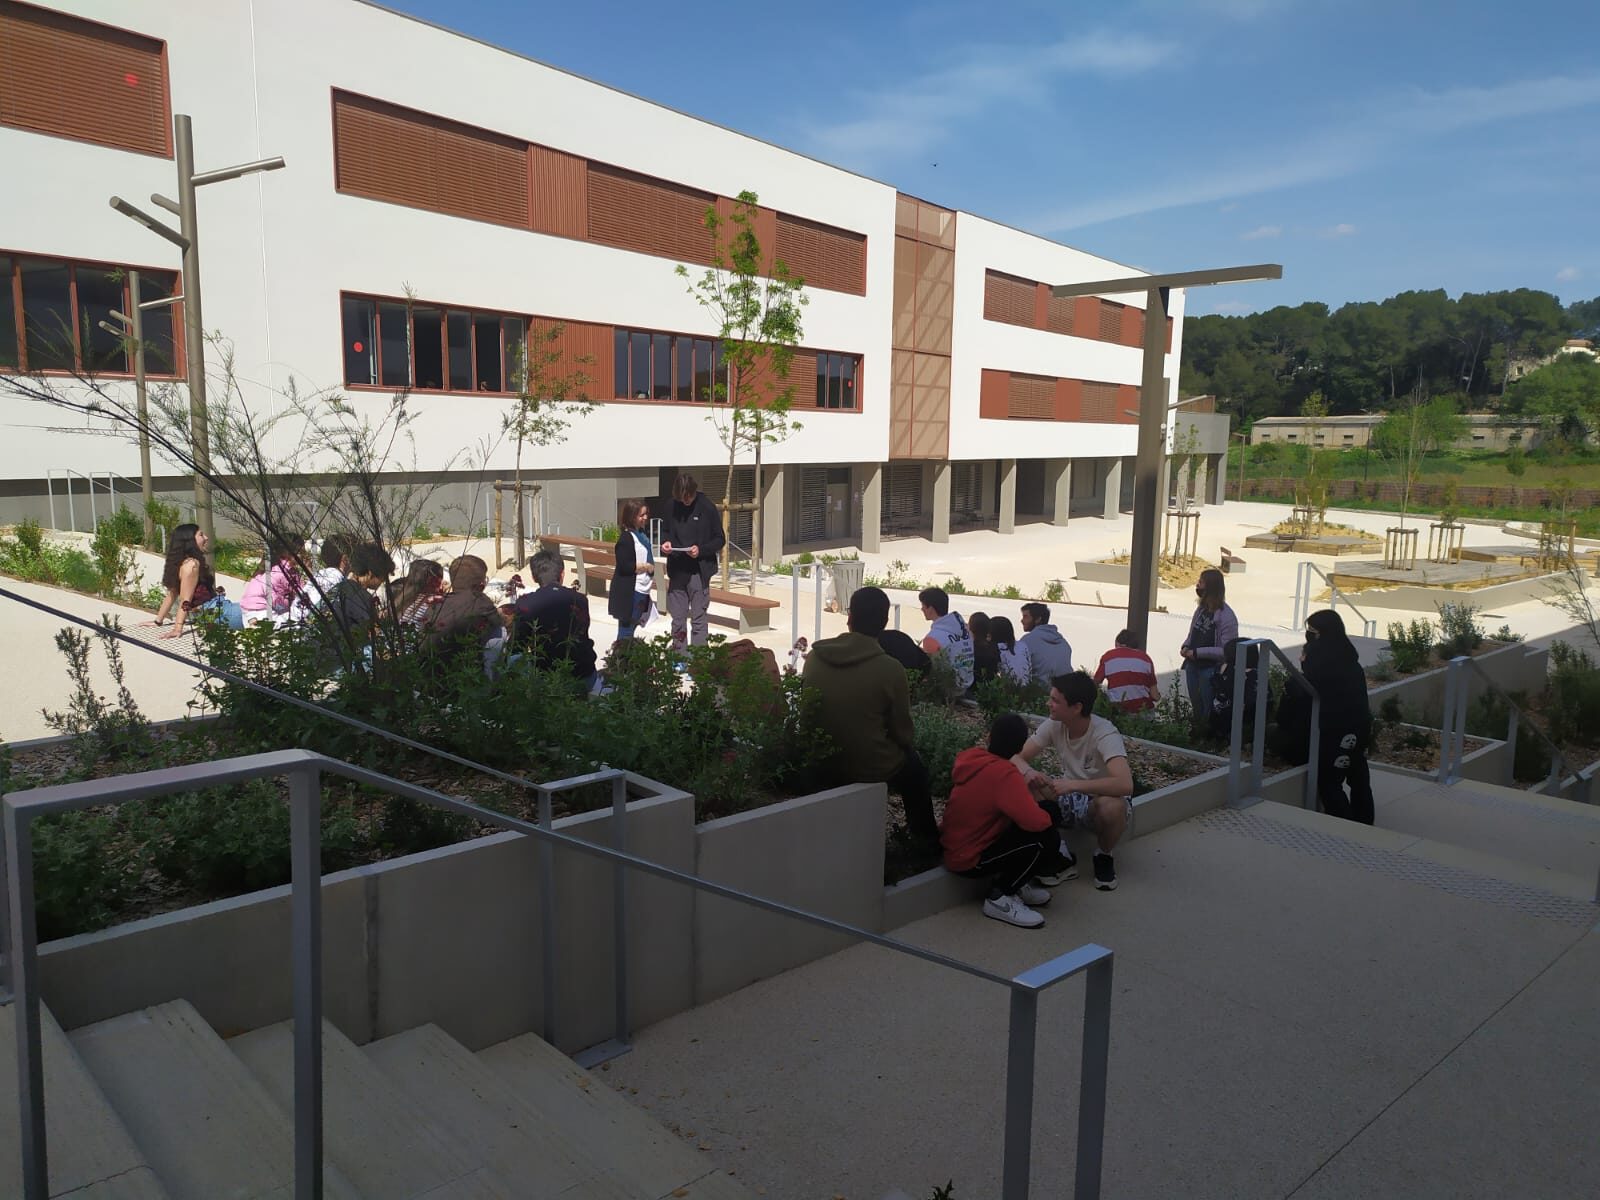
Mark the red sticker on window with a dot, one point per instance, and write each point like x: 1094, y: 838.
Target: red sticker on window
x: 357, y: 347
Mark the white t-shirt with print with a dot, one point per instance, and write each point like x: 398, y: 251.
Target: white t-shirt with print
x: 1082, y: 757
x: 951, y: 632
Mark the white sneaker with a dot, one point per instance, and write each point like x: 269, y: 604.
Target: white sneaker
x: 1012, y: 911
x: 1033, y: 895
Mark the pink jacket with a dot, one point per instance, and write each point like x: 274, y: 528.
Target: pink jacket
x: 284, y: 583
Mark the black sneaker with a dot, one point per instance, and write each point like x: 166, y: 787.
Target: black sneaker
x: 1064, y: 868
x: 1105, y: 872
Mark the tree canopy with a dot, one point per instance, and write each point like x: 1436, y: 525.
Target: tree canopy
x: 1564, y: 395
x: 1372, y: 355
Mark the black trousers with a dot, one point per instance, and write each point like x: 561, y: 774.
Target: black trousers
x: 1012, y: 859
x: 916, y: 795
x: 1337, y: 768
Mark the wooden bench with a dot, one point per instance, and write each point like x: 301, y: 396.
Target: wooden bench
x: 1232, y: 564
x: 594, y: 564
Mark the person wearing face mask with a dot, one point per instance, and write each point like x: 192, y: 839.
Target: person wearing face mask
x: 1213, y: 626
x: 1332, y: 666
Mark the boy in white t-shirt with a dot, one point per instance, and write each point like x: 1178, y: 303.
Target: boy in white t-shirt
x: 1095, y: 789
x: 948, y: 635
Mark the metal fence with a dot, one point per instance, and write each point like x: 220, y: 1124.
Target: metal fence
x: 1244, y: 789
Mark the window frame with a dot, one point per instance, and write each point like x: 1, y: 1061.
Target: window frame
x: 445, y: 310
x: 14, y: 284
x: 674, y: 368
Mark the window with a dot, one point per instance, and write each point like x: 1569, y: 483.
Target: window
x: 57, y: 326
x: 429, y: 348
x: 73, y: 78
x: 1349, y: 437
x: 666, y: 366
x: 837, y: 376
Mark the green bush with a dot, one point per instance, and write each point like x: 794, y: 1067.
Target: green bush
x: 941, y: 734
x: 240, y: 559
x: 30, y: 538
x: 113, y: 560
x: 85, y: 870
x: 1054, y: 592
x: 1003, y: 694
x: 1411, y: 647
x: 421, y: 533
x: 1459, y: 631
x: 163, y: 516
x: 126, y: 526
x: 1574, y: 696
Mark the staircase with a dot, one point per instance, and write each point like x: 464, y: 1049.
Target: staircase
x: 154, y: 1105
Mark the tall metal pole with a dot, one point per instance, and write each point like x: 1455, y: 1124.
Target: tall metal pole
x: 136, y: 322
x: 193, y: 326
x: 1147, y: 466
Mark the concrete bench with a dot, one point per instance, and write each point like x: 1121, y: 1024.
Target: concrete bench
x: 1232, y: 564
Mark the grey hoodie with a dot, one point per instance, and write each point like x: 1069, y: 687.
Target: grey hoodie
x: 1049, y: 653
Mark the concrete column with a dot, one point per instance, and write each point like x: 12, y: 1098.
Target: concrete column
x: 941, y: 501
x: 870, y: 478
x: 772, y: 494
x: 1008, y: 495
x: 1202, y: 491
x: 986, y: 470
x: 1219, y: 479
x: 1113, y: 493
x: 1058, y: 486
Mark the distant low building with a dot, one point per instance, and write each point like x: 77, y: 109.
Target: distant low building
x: 1485, y: 431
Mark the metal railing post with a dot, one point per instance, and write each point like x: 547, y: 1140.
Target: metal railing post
x: 816, y: 587
x: 1258, y: 747
x: 50, y: 491
x: 547, y: 916
x: 1463, y: 695
x: 1092, y: 1074
x: 1511, y: 745
x: 1447, y: 713
x: 24, y: 971
x: 1236, y: 738
x: 619, y: 900
x: 1020, y: 1063
x: 794, y: 604
x: 896, y: 607
x: 1313, y: 798
x: 305, y: 904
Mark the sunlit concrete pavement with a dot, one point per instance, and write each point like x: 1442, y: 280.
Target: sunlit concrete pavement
x: 1301, y: 1008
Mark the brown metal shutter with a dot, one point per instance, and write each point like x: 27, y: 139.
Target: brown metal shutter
x: 386, y: 152
x: 1110, y: 327
x: 80, y: 79
x: 713, y: 482
x: 583, y: 346
x: 1032, y: 396
x: 802, y: 378
x: 651, y: 216
x: 966, y: 490
x: 902, y: 493
x: 1058, y: 314
x: 1007, y: 298
x: 825, y: 257
x: 811, y: 522
x: 1099, y: 402
x: 560, y: 192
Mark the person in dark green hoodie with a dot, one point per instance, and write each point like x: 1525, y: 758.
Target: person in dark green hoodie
x: 864, y: 706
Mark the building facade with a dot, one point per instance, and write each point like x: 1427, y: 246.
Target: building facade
x: 444, y: 197
x: 1485, y: 431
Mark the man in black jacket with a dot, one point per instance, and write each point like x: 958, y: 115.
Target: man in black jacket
x: 552, y: 623
x: 691, y: 540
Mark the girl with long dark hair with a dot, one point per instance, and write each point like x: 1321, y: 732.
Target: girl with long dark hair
x: 1010, y: 655
x: 629, y: 599
x: 191, y: 583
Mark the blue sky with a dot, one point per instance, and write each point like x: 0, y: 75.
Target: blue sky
x: 1371, y: 146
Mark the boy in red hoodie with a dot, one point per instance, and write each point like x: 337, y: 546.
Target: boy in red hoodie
x: 994, y: 829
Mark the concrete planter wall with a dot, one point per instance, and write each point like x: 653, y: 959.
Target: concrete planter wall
x: 1102, y: 572
x: 1515, y: 668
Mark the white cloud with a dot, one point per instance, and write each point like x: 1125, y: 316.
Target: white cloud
x: 1262, y: 231
x: 1228, y: 207
x: 1342, y: 229
x: 1568, y: 274
x: 910, y: 116
x: 1388, y: 123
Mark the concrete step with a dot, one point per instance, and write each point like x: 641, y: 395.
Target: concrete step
x: 605, y: 1126
x: 205, y: 1124
x: 1558, y: 840
x: 382, y: 1142
x: 1568, y: 892
x: 91, y: 1154
x: 488, y: 1120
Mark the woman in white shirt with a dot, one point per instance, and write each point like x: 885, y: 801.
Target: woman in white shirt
x: 628, y: 599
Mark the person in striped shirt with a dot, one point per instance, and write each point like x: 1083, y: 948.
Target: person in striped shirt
x: 1128, y: 675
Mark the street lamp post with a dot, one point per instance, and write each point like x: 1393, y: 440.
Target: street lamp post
x: 1153, y: 410
x: 131, y: 327
x: 187, y: 238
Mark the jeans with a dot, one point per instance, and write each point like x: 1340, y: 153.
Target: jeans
x: 228, y: 611
x: 643, y: 606
x: 1200, y: 678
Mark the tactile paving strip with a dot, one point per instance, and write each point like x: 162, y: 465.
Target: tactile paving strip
x: 1411, y: 869
x: 1463, y: 793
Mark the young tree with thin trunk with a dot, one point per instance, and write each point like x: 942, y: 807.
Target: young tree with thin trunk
x: 551, y: 392
x: 755, y: 303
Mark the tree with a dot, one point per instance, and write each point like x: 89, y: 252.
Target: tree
x: 550, y: 393
x: 1409, y: 434
x: 755, y: 304
x: 1563, y: 394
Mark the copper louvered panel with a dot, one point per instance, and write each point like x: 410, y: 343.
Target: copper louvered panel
x: 994, y: 393
x: 899, y: 438
x: 1007, y: 298
x: 1109, y: 328
x: 1128, y: 402
x: 930, y: 439
x: 1132, y: 326
x: 650, y: 216
x: 935, y: 300
x: 905, y: 293
x: 824, y: 256
x: 1099, y: 402
x: 802, y: 377
x: 1059, y: 312
x: 585, y: 347
x: 80, y: 79
x: 385, y: 152
x: 559, y: 193
x: 1032, y: 397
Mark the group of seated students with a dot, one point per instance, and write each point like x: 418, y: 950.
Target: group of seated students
x: 446, y: 612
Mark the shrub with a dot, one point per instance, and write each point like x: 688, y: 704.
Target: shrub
x: 126, y: 526
x: 1459, y: 631
x: 113, y: 560
x: 240, y: 559
x: 1383, y: 670
x: 1411, y: 647
x: 85, y: 869
x: 163, y: 516
x: 102, y: 729
x: 1489, y: 717
x: 1003, y: 694
x: 30, y: 537
x: 1574, y: 706
x: 1504, y: 634
x: 421, y: 533
x: 941, y: 734
x: 1054, y: 592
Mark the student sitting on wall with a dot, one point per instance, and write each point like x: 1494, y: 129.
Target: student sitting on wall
x: 1222, y: 688
x: 1128, y: 674
x: 347, y: 618
x: 994, y: 829
x: 465, y: 621
x: 552, y: 622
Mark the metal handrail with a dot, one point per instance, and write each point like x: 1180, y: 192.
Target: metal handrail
x: 1302, y: 598
x: 18, y: 927
x: 813, y: 569
x: 1238, y: 794
x: 1454, y: 735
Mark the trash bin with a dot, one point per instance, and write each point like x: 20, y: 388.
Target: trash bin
x: 848, y: 574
